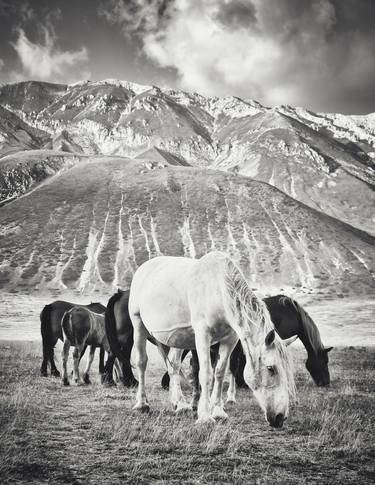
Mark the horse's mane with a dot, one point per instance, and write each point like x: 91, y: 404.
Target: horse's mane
x: 244, y: 302
x: 249, y: 308
x: 308, y: 324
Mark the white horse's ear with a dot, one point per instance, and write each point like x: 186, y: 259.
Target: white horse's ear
x: 290, y: 340
x: 270, y: 337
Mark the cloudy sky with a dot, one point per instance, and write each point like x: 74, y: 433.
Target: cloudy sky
x: 314, y: 53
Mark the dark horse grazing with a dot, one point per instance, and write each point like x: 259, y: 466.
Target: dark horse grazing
x: 119, y: 330
x: 289, y: 319
x: 82, y: 327
x: 50, y: 327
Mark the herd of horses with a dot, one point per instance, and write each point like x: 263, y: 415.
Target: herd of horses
x: 181, y: 305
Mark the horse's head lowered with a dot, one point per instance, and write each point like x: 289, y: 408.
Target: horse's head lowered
x: 317, y: 365
x: 270, y: 376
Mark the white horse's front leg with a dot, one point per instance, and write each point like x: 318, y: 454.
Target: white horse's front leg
x: 175, y: 392
x: 231, y: 393
x: 86, y: 378
x: 202, y: 343
x: 225, y: 349
x: 140, y: 340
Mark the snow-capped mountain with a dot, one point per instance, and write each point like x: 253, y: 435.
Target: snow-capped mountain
x: 160, y: 143
x: 323, y: 160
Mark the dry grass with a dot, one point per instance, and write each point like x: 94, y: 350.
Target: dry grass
x: 52, y: 434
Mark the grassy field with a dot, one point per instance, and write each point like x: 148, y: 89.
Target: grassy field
x: 84, y: 435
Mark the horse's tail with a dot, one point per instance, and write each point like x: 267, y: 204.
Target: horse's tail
x: 46, y: 331
x: 111, y: 331
x: 66, y: 324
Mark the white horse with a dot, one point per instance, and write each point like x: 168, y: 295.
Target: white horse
x: 188, y: 303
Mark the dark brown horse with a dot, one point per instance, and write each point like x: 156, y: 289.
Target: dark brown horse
x: 50, y: 327
x: 81, y: 328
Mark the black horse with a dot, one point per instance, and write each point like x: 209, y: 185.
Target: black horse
x: 289, y: 319
x: 50, y: 327
x: 119, y: 330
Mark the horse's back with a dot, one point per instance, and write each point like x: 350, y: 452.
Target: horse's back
x: 76, y: 325
x: 157, y: 278
x: 164, y: 290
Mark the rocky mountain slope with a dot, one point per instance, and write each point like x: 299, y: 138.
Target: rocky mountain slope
x: 89, y: 228
x: 97, y: 177
x: 323, y: 160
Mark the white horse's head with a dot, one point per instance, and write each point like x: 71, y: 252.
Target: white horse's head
x: 270, y: 376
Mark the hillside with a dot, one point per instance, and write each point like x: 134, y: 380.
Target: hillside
x: 323, y: 160
x: 88, y: 228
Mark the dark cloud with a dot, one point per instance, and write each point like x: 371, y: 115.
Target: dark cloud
x: 237, y: 14
x: 137, y: 17
x: 315, y: 53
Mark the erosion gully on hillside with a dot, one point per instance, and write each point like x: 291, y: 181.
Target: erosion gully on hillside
x: 80, y: 435
x: 91, y: 226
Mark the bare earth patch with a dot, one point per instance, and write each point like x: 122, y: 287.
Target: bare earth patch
x: 84, y: 435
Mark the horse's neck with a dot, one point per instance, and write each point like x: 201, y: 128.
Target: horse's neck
x: 305, y: 339
x: 311, y: 347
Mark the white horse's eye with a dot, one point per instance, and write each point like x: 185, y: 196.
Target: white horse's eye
x: 271, y: 369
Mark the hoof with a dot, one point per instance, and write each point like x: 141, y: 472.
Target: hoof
x: 143, y: 408
x: 231, y: 400
x: 86, y: 379
x: 55, y: 373
x: 66, y: 382
x: 108, y: 382
x: 78, y: 382
x: 205, y: 420
x: 219, y: 413
x: 43, y: 373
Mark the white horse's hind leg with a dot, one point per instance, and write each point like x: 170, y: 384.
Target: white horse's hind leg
x: 64, y: 357
x: 175, y: 392
x: 76, y: 355
x: 90, y: 358
x: 140, y: 340
x: 202, y: 343
x: 231, y: 394
x: 225, y: 349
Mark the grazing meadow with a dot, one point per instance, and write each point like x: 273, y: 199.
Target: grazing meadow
x: 89, y: 434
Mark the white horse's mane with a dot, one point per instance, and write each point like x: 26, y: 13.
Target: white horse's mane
x: 251, y: 310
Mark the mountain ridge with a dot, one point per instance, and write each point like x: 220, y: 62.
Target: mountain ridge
x: 123, y: 172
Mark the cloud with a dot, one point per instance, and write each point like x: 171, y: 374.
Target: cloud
x: 44, y: 60
x: 317, y: 53
x: 136, y: 16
